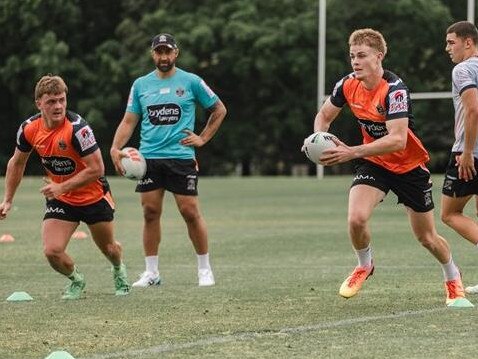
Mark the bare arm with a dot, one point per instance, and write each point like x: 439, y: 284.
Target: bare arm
x: 122, y: 135
x: 466, y: 161
x: 94, y: 169
x: 395, y: 140
x: 13, y: 177
x: 327, y: 114
x: 213, y: 123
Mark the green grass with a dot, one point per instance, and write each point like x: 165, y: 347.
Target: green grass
x: 280, y: 251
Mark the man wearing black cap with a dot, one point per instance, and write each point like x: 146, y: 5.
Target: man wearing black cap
x: 163, y: 101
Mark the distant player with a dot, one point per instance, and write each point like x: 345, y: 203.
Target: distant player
x: 76, y: 189
x: 392, y: 159
x: 461, y: 181
x: 164, y: 102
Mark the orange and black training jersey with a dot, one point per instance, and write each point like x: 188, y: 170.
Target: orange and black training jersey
x: 61, y: 150
x: 389, y: 100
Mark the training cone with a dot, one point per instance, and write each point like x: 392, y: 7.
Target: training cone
x: 7, y: 237
x: 19, y: 297
x: 460, y: 303
x: 60, y: 355
x: 79, y: 235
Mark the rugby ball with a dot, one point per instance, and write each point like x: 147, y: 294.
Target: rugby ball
x: 317, y: 143
x: 134, y: 164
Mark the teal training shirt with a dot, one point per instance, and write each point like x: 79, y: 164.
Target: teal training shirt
x: 166, y: 108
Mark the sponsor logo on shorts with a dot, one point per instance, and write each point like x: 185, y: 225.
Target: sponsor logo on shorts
x: 145, y: 181
x: 428, y: 198
x: 166, y: 114
x: 58, y: 210
x: 364, y: 178
x: 59, y: 166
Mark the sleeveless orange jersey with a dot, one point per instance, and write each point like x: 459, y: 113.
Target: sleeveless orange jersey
x: 61, y: 151
x: 388, y: 101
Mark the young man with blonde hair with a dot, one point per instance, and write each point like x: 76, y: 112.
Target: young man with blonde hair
x: 75, y: 189
x: 391, y: 158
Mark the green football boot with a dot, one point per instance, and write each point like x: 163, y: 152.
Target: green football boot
x: 122, y: 287
x: 75, y: 288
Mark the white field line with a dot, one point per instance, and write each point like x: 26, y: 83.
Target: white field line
x: 245, y: 336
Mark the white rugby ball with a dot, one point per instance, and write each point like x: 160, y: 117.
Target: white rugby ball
x: 317, y: 143
x: 134, y: 165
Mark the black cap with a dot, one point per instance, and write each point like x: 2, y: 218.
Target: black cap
x: 163, y: 40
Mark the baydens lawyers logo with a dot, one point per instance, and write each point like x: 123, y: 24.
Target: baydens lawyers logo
x: 166, y: 114
x: 398, y: 102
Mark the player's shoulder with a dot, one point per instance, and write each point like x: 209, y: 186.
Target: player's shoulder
x: 75, y: 119
x: 468, y: 66
x: 30, y: 121
x: 145, y: 79
x: 393, y: 81
x: 184, y: 75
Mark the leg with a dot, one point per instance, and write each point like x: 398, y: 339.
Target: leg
x: 362, y: 200
x: 423, y: 227
x: 152, y: 202
x: 452, y: 215
x: 56, y: 236
x: 102, y: 233
x: 189, y: 208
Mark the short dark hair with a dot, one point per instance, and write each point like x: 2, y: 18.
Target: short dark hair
x: 464, y: 30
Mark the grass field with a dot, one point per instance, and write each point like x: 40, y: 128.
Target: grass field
x: 280, y: 251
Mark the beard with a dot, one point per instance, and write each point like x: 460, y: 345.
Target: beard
x: 164, y: 67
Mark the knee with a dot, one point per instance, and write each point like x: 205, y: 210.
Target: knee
x: 151, y: 213
x: 189, y: 213
x: 52, y: 252
x: 357, y: 222
x: 427, y: 240
x: 448, y: 217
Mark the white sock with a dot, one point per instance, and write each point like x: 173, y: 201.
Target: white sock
x: 364, y: 256
x: 450, y: 270
x: 203, y: 261
x: 152, y: 264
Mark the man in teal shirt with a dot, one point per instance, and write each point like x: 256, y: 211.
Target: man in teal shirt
x: 164, y: 102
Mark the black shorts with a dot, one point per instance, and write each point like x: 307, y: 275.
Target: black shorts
x: 455, y: 187
x: 174, y: 175
x: 413, y: 188
x: 101, y: 211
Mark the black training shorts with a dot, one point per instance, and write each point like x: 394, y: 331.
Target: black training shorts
x: 175, y: 175
x: 413, y: 188
x: 455, y: 187
x: 100, y: 211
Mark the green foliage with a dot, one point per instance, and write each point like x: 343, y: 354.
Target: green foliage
x: 259, y: 56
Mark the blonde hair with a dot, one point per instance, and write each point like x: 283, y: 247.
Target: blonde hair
x: 51, y: 85
x: 369, y: 37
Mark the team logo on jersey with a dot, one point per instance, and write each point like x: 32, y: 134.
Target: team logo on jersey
x: 380, y: 109
x: 398, y: 102
x: 62, y: 144
x: 85, y: 137
x: 180, y: 91
x: 165, y: 114
x: 59, y: 166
